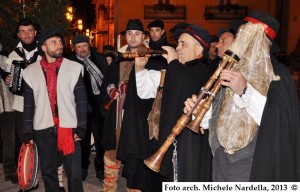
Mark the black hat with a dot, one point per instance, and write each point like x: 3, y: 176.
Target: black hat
x: 108, y: 48
x: 234, y: 27
x: 214, y: 38
x: 181, y: 25
x: 134, y: 24
x: 25, y: 22
x: 271, y: 25
x: 110, y: 54
x: 80, y: 39
x: 46, y: 35
x: 156, y: 23
x: 198, y: 33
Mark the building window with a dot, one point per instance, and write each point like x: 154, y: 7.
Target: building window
x: 164, y: 2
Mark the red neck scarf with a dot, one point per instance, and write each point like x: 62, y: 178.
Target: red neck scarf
x: 65, y: 140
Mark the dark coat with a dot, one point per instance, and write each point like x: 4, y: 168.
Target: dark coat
x: 100, y: 61
x: 194, y: 153
x: 113, y: 77
x: 277, y: 153
x: 134, y: 144
x: 158, y: 62
x: 109, y: 128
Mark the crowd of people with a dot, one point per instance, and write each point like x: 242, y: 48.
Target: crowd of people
x: 249, y: 133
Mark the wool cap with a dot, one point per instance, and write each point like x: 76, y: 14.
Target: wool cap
x: 46, y: 34
x: 134, y: 24
x: 156, y: 23
x: 80, y: 39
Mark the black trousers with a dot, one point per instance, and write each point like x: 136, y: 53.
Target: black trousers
x: 46, y: 141
x: 94, y: 125
x: 11, y: 132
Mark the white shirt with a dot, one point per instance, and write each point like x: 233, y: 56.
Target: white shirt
x: 252, y: 101
x: 147, y: 82
x: 28, y: 54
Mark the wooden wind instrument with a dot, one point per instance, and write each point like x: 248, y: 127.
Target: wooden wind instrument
x: 142, y: 51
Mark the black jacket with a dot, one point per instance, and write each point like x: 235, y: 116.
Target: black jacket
x: 194, y: 153
x: 158, y: 62
x: 277, y: 153
x: 100, y: 61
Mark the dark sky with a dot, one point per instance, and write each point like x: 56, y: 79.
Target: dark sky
x: 85, y: 10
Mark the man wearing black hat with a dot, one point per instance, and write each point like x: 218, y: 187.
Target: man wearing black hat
x: 255, y: 136
x: 186, y: 73
x: 157, y: 40
x: 108, y: 51
x: 26, y: 51
x: 129, y: 110
x: 157, y: 35
x: 180, y: 26
x: 95, y: 67
x: 55, y: 108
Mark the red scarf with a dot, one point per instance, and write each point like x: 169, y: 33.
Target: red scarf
x: 65, y: 142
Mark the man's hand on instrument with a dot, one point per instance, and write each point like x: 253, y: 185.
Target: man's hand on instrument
x: 146, y: 42
x: 172, y: 53
x: 113, y: 93
x: 28, y: 137
x: 190, y: 103
x: 123, y: 87
x: 234, y: 80
x: 8, y: 79
x: 140, y: 63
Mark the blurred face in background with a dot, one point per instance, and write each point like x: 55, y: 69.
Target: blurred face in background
x: 156, y: 33
x: 109, y: 59
x: 82, y: 49
x: 225, y: 40
x: 27, y: 33
x: 212, y: 52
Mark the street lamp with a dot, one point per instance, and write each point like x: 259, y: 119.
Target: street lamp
x: 79, y: 24
x: 87, y: 32
x: 69, y: 13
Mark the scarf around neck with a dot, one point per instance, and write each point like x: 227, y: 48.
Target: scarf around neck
x: 96, y: 75
x: 65, y: 140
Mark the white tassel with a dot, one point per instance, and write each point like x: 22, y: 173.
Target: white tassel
x: 174, y: 160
